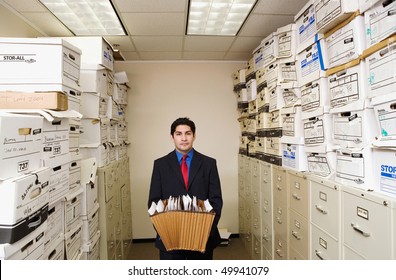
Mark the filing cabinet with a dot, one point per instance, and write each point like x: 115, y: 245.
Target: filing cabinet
x: 323, y: 245
x: 367, y: 225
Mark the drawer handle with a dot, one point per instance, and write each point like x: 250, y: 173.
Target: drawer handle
x: 279, y: 221
x: 295, y: 234
x: 265, y: 181
x: 317, y: 253
x: 296, y: 197
x: 320, y: 209
x: 279, y: 188
x: 365, y: 234
x: 265, y: 237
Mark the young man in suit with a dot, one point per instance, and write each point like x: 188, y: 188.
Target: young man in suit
x: 203, y: 182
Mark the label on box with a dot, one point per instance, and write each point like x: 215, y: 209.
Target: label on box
x: 344, y: 89
x: 310, y: 97
x: 285, y: 44
x: 314, y: 131
x: 348, y: 129
x: 307, y: 27
x: 351, y: 167
x: 326, y: 11
x: 319, y: 165
x: 387, y: 121
x: 380, y: 22
x: 288, y: 71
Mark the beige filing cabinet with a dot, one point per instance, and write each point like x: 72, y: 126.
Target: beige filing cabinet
x: 256, y: 208
x: 280, y: 205
x: 298, y: 188
x: 368, y: 228
x: 114, y: 225
x: 267, y: 237
x: 325, y: 219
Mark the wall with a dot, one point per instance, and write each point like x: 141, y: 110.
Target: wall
x: 163, y: 91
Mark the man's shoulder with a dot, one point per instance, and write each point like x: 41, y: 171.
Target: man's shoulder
x: 203, y: 156
x: 165, y: 157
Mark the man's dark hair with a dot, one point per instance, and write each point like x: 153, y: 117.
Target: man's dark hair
x: 183, y: 121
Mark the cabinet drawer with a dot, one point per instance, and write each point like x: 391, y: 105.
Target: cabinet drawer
x: 324, y: 246
x: 298, y: 192
x: 298, y: 233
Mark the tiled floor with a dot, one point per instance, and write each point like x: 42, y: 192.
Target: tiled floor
x: 233, y: 251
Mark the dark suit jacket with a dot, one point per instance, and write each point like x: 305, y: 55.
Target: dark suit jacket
x: 203, y: 183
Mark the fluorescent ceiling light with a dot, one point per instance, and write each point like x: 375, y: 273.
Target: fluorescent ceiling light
x: 86, y: 17
x: 217, y: 17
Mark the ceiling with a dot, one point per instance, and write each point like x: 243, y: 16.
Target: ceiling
x: 156, y: 29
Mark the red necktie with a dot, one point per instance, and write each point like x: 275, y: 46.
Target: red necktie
x: 184, y: 170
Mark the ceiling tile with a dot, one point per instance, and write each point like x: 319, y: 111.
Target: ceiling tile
x: 203, y: 55
x: 151, y: 6
x: 279, y: 7
x: 26, y: 6
x: 245, y: 44
x: 158, y: 43
x: 154, y: 23
x: 48, y: 23
x: 207, y: 43
x: 260, y: 25
x: 238, y: 56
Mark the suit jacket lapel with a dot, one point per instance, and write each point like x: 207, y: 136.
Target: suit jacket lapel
x: 174, y: 163
x: 194, y: 167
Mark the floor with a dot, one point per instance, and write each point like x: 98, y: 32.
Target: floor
x: 233, y: 251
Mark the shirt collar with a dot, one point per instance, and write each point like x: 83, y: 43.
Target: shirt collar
x: 180, y: 155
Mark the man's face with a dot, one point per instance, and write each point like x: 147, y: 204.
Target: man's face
x: 183, y: 138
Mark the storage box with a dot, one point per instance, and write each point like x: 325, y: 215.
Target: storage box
x: 260, y: 79
x: 75, y: 173
x: 59, y: 176
x: 33, y: 100
x: 73, y: 243
x: 100, y: 152
x: 364, y: 5
x: 251, y: 88
x: 120, y: 94
x: 252, y: 109
x: 269, y: 47
x: 276, y: 101
x: 94, y: 131
x: 354, y: 167
x: 348, y: 87
x: 331, y: 12
x: 43, y: 63
x: 90, y: 225
x: 91, y: 249
x: 72, y: 204
x: 239, y: 79
x: 178, y: 229
x: 384, y: 171
x: 55, y: 225
x: 263, y: 100
x: 23, y: 204
x: 272, y: 74
x: 355, y: 129
x: 315, y: 99
x: 380, y: 22
x: 55, y: 137
x: 242, y: 99
x: 273, y: 146
x: 97, y: 79
x: 261, y: 124
x: 31, y: 247
x: 287, y: 41
x: 381, y: 67
x: 294, y: 157
x: 292, y: 128
x: 250, y: 71
x: 346, y: 42
x: 94, y: 50
x: 312, y: 62
x: 305, y: 21
x: 322, y: 164
x: 288, y: 70
x: 21, y: 136
x: 291, y: 94
x: 56, y: 251
x: 318, y: 130
x: 385, y: 112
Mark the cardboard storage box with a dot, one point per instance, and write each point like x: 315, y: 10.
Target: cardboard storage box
x: 385, y: 112
x: 97, y: 79
x: 294, y: 157
x: 33, y: 100
x: 318, y: 130
x: 292, y: 128
x: 291, y: 94
x: 276, y: 101
x: 288, y: 70
x: 239, y: 79
x: 41, y: 63
x: 364, y: 5
x: 385, y: 171
x: 322, y: 164
x: 381, y: 67
x: 287, y: 41
x: 55, y: 225
x: 23, y: 204
x: 56, y: 251
x: 72, y: 204
x: 380, y: 22
x: 183, y: 230
x: 315, y: 98
x: 269, y: 49
x: 331, y: 12
x: 21, y: 136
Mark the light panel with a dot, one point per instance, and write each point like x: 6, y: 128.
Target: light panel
x: 217, y: 17
x: 86, y: 17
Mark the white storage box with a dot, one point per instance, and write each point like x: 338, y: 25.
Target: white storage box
x: 315, y: 98
x: 59, y: 176
x: 364, y: 5
x: 73, y: 243
x: 73, y: 98
x: 41, y: 63
x: 75, y: 173
x: 122, y: 132
x: 239, y: 79
x: 274, y: 122
x: 346, y: 43
x: 322, y: 164
x: 242, y: 100
x: 261, y: 124
x: 312, y: 62
x: 258, y: 57
x: 55, y: 225
x: 292, y: 126
x: 355, y: 129
x: 74, y: 134
x: 31, y: 247
x: 348, y: 87
x: 354, y: 167
x: 90, y: 224
x: 318, y: 130
x: 56, y: 251
x: 72, y: 204
x: 262, y: 100
x: 331, y: 12
x: 122, y: 150
x: 287, y: 41
x: 385, y: 112
x: 273, y: 146
x: 260, y: 79
x: 100, y: 152
x: 269, y: 48
x: 23, y: 204
x: 291, y: 94
x: 251, y: 88
x: 94, y: 50
x: 305, y: 21
x: 21, y: 136
x: 288, y: 70
x: 385, y: 171
x: 294, y: 157
x: 94, y: 131
x: 98, y: 80
x: 260, y: 145
x: 276, y: 101
x: 89, y: 184
x: 91, y: 249
x: 55, y: 137
x: 120, y: 94
x: 272, y: 74
x: 381, y: 68
x: 94, y: 106
x: 250, y: 71
x: 252, y: 108
x: 380, y: 22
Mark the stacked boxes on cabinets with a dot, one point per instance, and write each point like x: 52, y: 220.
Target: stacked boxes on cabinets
x: 107, y: 229
x: 332, y: 89
x: 41, y: 186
